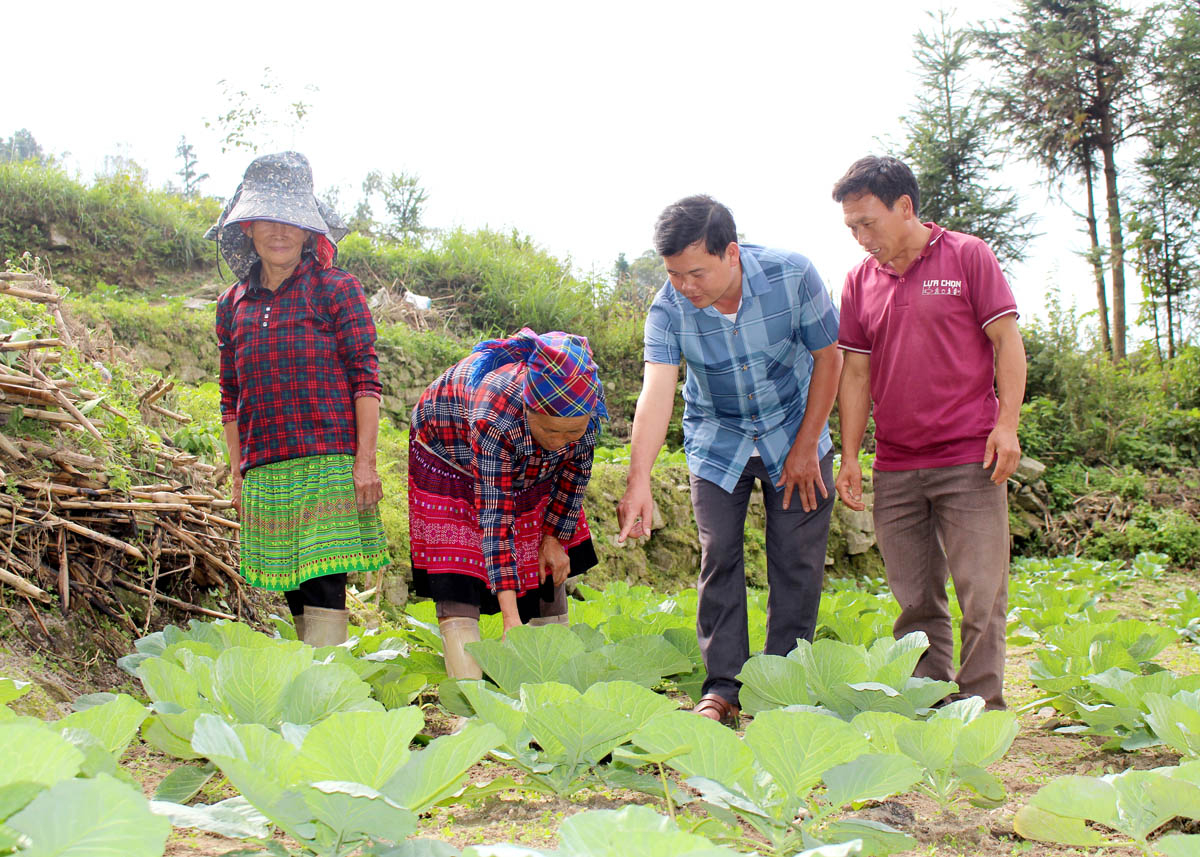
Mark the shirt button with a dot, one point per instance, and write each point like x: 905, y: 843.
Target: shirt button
x: 902, y: 279
x: 751, y: 396
x: 735, y: 331
x: 745, y: 367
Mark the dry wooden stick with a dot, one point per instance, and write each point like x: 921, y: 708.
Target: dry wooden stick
x: 35, y: 414
x: 64, y: 401
x: 24, y: 587
x: 175, y: 415
x: 64, y: 576
x: 30, y: 294
x: 30, y: 344
x: 18, y: 276
x: 10, y: 449
x: 174, y: 602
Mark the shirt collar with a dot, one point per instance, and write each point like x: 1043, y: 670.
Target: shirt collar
x: 935, y: 234
x: 255, y: 288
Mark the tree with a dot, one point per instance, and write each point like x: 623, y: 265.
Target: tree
x: 21, y: 146
x: 952, y: 148
x: 191, y: 179
x: 403, y: 201
x: 1166, y: 207
x: 258, y: 116
x: 1066, y: 78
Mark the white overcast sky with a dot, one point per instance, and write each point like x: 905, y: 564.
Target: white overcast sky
x: 574, y: 123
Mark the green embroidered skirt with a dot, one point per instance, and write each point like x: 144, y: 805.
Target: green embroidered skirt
x: 300, y: 521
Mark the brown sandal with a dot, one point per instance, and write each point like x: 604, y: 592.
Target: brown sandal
x: 716, y: 707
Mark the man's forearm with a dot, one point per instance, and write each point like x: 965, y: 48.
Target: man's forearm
x: 650, y: 422
x: 822, y: 391
x: 1010, y: 379
x: 854, y: 404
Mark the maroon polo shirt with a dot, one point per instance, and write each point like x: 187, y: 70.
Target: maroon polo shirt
x: 932, y: 366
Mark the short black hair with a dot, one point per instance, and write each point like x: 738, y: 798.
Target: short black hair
x: 887, y: 178
x: 692, y: 219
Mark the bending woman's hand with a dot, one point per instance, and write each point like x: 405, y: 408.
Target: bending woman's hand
x: 368, y: 488
x: 553, y: 560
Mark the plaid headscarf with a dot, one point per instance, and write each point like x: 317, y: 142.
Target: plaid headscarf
x: 561, y: 379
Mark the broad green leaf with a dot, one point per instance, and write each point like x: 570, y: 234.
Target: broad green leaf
x: 235, y: 817
x: 847, y: 700
x: 1147, y: 800
x: 441, y: 768
x: 1032, y: 822
x: 500, y: 710
x: 829, y: 663
x: 249, y: 683
x: 879, y: 728
x: 892, y: 661
x: 577, y: 731
x: 686, y: 641
x: 91, y: 818
x: 989, y: 789
x: 925, y: 692
x: 870, y: 777
x: 420, y: 848
x: 529, y: 655
x: 716, y: 752
x: 878, y: 839
x: 183, y: 783
x: 260, y: 764
x: 114, y: 723
x: 814, y: 743
x: 591, y: 638
x: 1080, y: 797
x: 165, y: 681
x: 986, y: 739
x: 929, y: 743
x: 172, y: 733
x: 366, y: 747
x: 1176, y: 720
x: 36, y: 754
x: 353, y: 811
x: 634, y: 702
x: 16, y: 796
x: 547, y: 693
x: 11, y: 840
x: 590, y: 668
x: 323, y: 689
x: 651, y: 656
x: 1179, y: 845
x: 717, y: 795
x: 610, y: 833
x: 401, y: 691
x: 773, y: 681
x: 11, y: 689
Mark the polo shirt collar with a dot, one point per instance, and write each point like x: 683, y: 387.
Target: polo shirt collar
x: 935, y: 235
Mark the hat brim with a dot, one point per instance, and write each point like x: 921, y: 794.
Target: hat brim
x: 299, y: 210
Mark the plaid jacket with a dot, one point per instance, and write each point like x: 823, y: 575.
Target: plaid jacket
x: 483, y: 430
x: 293, y: 361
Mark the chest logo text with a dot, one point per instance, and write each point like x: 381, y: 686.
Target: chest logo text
x: 942, y: 287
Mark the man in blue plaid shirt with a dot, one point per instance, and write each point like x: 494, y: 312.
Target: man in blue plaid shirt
x: 759, y: 334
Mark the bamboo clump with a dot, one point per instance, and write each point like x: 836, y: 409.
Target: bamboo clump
x: 65, y: 530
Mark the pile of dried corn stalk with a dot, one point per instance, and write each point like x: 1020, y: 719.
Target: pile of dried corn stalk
x: 63, y: 529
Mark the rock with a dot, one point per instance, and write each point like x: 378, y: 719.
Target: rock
x: 59, y: 239
x: 151, y: 358
x: 857, y: 542
x: 1046, y: 711
x: 863, y: 522
x: 395, y: 590
x: 1029, y: 470
x: 658, y: 520
x: 1029, y: 501
x: 197, y: 303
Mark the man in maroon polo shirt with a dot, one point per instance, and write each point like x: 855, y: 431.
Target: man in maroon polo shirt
x: 929, y: 331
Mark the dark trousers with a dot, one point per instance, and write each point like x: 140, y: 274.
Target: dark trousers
x: 939, y: 522
x: 796, y: 543
x: 327, y: 591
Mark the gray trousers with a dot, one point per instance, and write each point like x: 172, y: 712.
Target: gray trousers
x: 939, y: 522
x: 796, y: 543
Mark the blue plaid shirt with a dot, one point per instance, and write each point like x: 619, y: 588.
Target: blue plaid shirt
x: 747, y: 380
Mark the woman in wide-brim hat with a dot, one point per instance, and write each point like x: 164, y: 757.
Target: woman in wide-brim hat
x: 299, y: 397
x: 500, y: 455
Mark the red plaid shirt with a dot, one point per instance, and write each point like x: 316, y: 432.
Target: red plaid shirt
x: 483, y: 430
x: 293, y: 361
